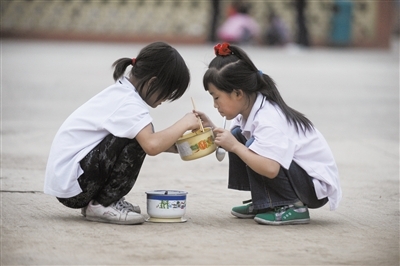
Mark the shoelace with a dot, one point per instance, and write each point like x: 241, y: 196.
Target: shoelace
x: 122, y: 205
x: 126, y: 204
x: 281, y: 209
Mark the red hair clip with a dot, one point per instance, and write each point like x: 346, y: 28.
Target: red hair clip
x: 133, y: 61
x: 222, y: 49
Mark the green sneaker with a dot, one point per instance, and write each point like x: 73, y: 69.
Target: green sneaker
x: 284, y: 215
x: 246, y: 211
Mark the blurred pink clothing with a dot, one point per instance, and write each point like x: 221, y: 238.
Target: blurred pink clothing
x: 239, y: 28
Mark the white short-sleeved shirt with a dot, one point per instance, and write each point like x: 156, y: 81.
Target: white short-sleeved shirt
x: 117, y: 110
x: 276, y: 139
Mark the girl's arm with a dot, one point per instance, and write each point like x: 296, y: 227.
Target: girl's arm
x: 259, y: 164
x: 154, y: 143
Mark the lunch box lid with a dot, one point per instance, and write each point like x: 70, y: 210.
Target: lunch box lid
x: 166, y: 194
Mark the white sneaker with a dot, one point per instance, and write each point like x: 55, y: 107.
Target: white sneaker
x: 118, y: 212
x: 129, y: 206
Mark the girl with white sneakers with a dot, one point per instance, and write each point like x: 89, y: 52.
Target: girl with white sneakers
x: 98, y: 151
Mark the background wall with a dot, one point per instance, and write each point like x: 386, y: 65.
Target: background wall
x: 180, y: 20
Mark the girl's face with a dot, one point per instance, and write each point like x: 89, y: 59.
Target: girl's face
x: 152, y: 100
x: 228, y: 104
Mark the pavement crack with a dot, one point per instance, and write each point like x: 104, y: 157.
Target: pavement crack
x: 20, y: 191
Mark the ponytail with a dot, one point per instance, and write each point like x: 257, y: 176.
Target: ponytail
x: 120, y: 67
x: 270, y: 91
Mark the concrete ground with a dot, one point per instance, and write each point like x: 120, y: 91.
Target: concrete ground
x: 351, y: 95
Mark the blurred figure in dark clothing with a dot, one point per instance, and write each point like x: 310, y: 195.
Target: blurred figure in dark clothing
x: 214, y: 20
x: 302, y: 32
x: 277, y: 31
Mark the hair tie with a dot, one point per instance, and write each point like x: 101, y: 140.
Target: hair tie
x: 133, y: 61
x: 260, y: 72
x: 222, y: 49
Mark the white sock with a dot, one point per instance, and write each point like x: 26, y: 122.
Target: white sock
x: 298, y: 204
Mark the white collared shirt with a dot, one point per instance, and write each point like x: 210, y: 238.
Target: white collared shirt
x: 276, y: 139
x: 117, y: 110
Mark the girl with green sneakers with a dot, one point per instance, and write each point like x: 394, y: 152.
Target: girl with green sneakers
x: 275, y: 152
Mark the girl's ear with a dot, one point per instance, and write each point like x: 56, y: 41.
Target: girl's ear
x: 238, y: 93
x: 151, y: 80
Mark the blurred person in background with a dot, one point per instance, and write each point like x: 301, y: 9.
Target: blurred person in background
x: 215, y: 7
x: 239, y: 27
x: 277, y: 32
x: 302, y: 31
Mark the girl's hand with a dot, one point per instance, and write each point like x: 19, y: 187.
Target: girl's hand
x: 191, y: 120
x: 204, y: 119
x: 225, y: 139
x: 154, y: 143
x: 262, y: 165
